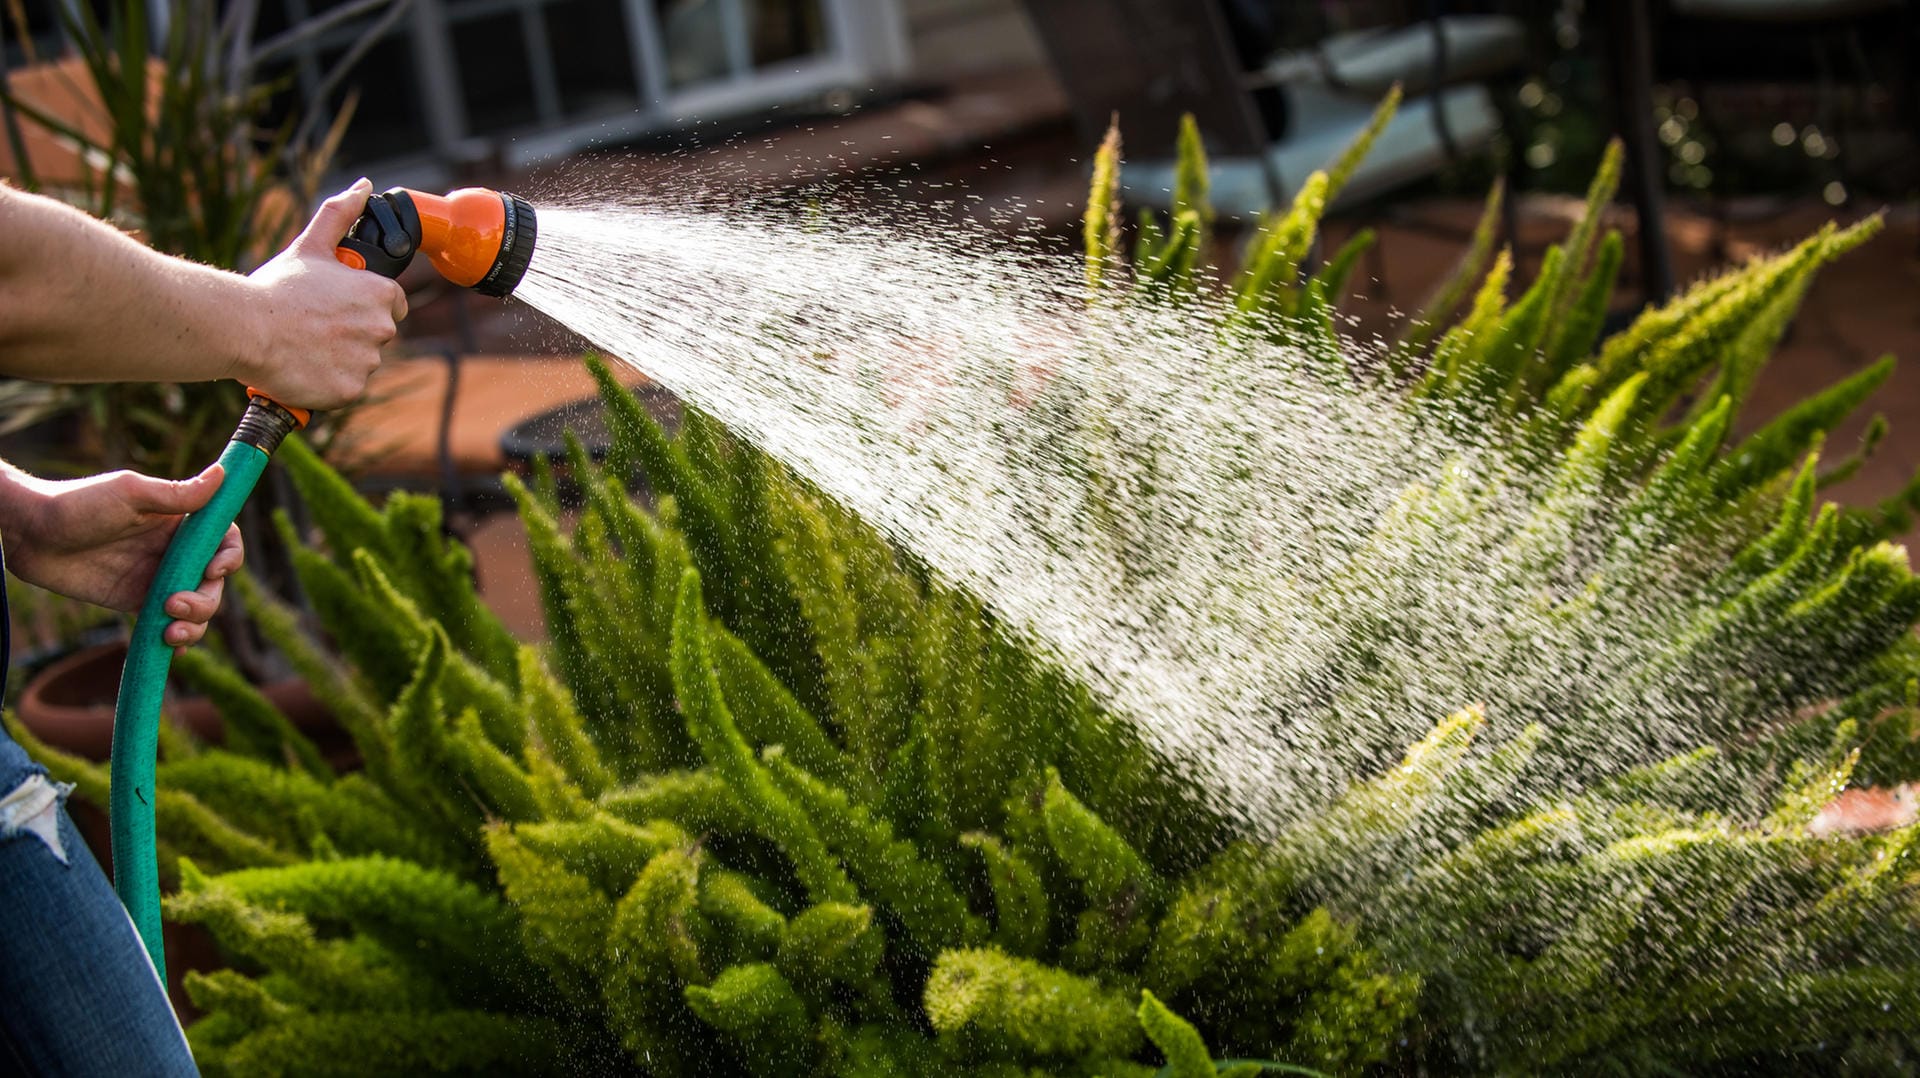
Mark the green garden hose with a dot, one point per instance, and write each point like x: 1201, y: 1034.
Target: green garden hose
x: 136, y: 715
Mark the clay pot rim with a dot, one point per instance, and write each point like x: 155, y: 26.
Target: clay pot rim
x: 87, y: 729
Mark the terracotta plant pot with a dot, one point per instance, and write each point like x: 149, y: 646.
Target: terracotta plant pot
x: 69, y: 705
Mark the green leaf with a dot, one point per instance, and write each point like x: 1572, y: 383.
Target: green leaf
x: 1606, y: 180
x: 700, y: 801
x: 1190, y: 175
x: 407, y: 1042
x: 557, y: 725
x: 1331, y: 280
x: 344, y: 697
x: 649, y: 959
x: 602, y: 848
x: 253, y: 724
x: 1775, y: 446
x: 890, y: 869
x: 1458, y: 356
x: 1575, y: 331
x: 1186, y: 1051
x: 711, y: 726
x: 1104, y: 863
x: 753, y: 929
x: 564, y: 919
x: 1270, y: 270
x: 1014, y: 1008
x: 831, y: 942
x: 762, y: 1012
x: 1100, y: 223
x: 1420, y: 330
x: 1019, y: 896
x: 1349, y: 160
x: 427, y: 915
x: 1171, y: 266
x: 289, y: 806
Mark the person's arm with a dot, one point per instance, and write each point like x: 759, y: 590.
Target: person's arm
x: 82, y: 302
x: 79, y: 301
x: 101, y: 539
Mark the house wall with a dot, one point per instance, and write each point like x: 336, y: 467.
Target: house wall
x: 950, y: 39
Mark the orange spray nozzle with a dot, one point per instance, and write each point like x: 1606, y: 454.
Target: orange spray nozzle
x: 477, y: 238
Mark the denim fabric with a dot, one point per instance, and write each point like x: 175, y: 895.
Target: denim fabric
x: 77, y: 994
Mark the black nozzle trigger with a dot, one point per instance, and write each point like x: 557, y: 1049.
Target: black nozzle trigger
x: 382, y: 237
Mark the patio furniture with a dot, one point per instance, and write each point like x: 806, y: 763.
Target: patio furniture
x: 1442, y: 50
x: 1424, y: 136
x: 1790, y: 12
x: 545, y: 433
x: 1269, y: 127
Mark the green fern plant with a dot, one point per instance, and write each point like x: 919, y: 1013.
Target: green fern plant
x: 772, y: 801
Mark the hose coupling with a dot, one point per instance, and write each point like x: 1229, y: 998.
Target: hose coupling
x: 266, y: 423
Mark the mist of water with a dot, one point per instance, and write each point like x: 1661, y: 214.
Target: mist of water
x: 1280, y: 574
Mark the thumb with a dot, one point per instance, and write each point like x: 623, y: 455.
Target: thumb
x: 183, y: 496
x: 336, y: 215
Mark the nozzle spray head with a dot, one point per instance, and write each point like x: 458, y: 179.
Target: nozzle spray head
x: 477, y: 238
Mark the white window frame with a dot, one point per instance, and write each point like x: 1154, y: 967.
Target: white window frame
x: 865, y: 48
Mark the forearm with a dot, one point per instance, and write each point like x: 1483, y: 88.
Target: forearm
x: 82, y: 302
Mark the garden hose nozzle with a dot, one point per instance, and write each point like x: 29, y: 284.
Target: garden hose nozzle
x: 477, y: 239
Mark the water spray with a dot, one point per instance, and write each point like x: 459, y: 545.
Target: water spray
x: 475, y: 238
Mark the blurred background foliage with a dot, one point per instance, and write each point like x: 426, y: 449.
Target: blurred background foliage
x: 1796, y: 109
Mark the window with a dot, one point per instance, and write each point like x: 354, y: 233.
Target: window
x: 451, y: 79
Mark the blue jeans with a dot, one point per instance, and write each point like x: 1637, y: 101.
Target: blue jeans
x: 77, y: 993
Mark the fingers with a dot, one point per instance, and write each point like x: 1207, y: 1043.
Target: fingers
x: 191, y: 610
x: 336, y: 215
x: 228, y: 558
x: 360, y: 313
x: 399, y: 302
x: 185, y: 634
x: 376, y: 304
x: 149, y: 495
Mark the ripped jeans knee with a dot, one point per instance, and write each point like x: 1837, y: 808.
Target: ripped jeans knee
x: 32, y: 809
x: 77, y: 993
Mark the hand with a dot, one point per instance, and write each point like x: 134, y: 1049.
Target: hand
x: 101, y: 539
x: 322, y: 323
